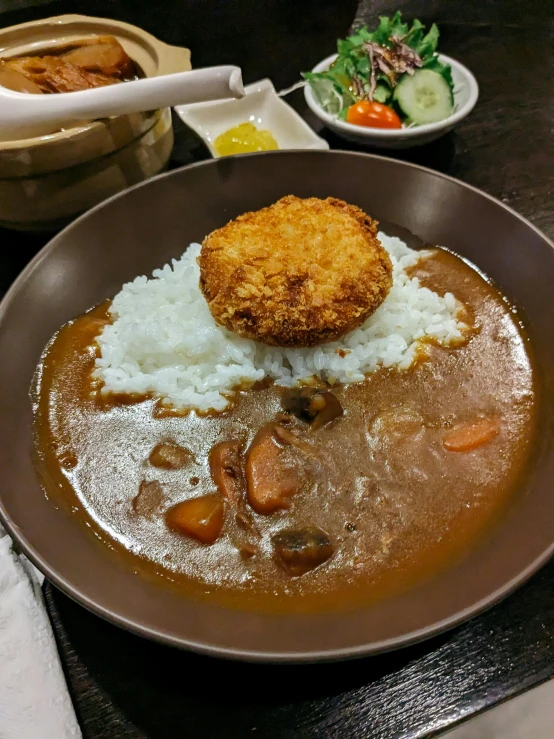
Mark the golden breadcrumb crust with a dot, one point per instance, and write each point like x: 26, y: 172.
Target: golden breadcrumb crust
x: 298, y: 273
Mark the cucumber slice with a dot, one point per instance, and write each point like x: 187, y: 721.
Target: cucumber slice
x: 424, y: 97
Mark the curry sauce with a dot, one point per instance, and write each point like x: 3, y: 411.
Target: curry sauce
x: 385, y: 492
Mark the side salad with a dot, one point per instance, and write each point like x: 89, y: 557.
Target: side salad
x: 387, y: 78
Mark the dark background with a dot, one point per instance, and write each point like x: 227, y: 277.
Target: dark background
x: 126, y: 688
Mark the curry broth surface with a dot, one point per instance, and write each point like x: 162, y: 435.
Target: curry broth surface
x: 397, y: 506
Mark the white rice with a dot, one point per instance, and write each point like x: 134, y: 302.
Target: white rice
x: 164, y: 341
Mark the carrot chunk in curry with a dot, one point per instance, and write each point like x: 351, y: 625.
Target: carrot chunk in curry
x: 201, y: 518
x: 465, y: 437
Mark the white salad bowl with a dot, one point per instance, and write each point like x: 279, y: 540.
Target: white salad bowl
x: 466, y: 92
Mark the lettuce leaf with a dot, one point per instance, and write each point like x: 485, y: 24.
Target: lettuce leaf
x: 388, y: 27
x: 427, y: 46
x: 382, y: 93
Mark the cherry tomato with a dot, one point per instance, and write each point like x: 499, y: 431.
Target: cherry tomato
x: 373, y: 115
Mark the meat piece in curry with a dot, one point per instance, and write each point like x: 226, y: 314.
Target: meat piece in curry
x: 170, y: 456
x: 227, y: 470
x: 149, y: 499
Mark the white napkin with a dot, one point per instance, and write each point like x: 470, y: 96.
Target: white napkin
x: 34, y: 701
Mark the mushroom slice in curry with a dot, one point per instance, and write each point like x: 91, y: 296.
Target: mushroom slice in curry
x: 315, y: 406
x: 298, y: 551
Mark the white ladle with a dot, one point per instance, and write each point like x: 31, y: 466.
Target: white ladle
x: 23, y: 115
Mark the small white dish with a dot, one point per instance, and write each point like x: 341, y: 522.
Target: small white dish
x: 260, y: 106
x: 466, y: 92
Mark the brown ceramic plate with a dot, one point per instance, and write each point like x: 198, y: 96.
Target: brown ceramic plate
x: 146, y: 226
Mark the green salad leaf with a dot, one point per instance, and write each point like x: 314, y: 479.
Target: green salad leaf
x: 382, y: 93
x: 389, y: 27
x: 415, y: 35
x: 370, y: 64
x: 427, y: 46
x: 361, y: 36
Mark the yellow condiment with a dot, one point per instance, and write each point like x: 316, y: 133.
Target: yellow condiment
x: 243, y: 139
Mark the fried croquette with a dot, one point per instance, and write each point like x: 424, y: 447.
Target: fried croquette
x: 299, y: 273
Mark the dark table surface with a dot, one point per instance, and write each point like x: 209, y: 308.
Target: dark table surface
x: 126, y: 688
